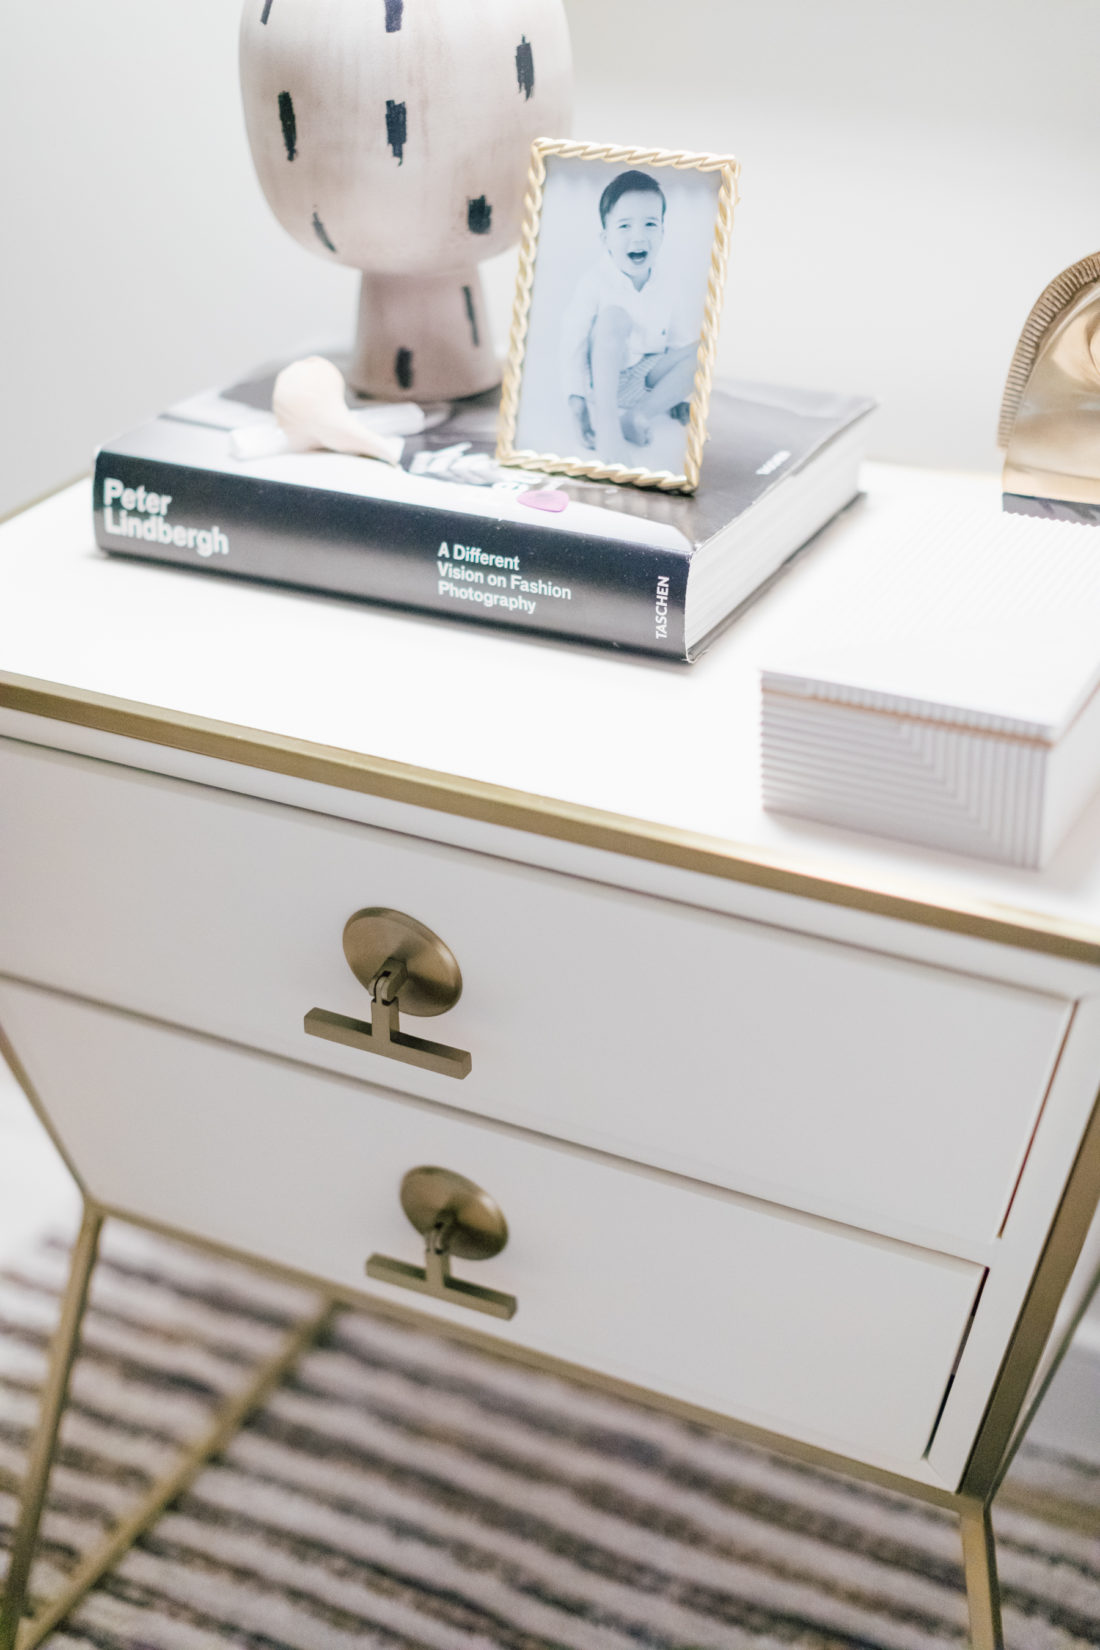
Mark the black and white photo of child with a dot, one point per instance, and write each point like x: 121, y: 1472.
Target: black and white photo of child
x: 628, y: 350
x: 616, y: 313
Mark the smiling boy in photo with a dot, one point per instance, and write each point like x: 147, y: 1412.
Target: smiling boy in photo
x: 629, y: 355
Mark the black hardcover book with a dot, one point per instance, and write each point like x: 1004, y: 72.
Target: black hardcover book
x: 450, y: 532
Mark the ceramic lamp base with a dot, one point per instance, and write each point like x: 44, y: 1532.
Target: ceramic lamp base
x: 423, y: 338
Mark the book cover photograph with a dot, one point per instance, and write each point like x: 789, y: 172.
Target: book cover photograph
x: 450, y: 531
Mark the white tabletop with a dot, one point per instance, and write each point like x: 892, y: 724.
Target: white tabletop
x: 673, y: 744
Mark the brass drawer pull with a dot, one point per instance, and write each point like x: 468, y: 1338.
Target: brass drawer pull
x: 405, y: 967
x: 455, y: 1217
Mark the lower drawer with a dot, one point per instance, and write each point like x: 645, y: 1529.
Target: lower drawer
x: 795, y: 1324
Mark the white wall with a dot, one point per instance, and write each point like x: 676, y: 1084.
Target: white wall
x: 914, y: 175
x: 140, y: 260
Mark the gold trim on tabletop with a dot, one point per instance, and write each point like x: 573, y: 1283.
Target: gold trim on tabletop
x: 544, y: 816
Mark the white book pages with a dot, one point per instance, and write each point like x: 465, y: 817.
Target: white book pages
x: 733, y: 566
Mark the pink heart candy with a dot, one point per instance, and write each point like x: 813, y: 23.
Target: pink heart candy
x: 545, y: 498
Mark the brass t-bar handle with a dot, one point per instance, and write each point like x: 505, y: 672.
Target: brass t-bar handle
x: 454, y: 1217
x: 406, y: 967
x: 383, y: 1034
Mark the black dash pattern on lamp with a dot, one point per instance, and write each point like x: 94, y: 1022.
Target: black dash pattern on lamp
x: 403, y: 368
x: 321, y: 232
x: 394, y: 15
x: 396, y: 129
x: 288, y: 124
x: 479, y: 216
x: 471, y: 315
x: 525, y: 67
x: 266, y: 13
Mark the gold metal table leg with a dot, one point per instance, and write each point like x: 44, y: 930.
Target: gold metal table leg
x: 36, y: 1481
x: 17, y: 1634
x: 983, y: 1594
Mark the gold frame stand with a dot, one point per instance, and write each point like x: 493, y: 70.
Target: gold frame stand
x: 19, y: 1631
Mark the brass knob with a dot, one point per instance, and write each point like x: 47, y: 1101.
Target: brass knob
x: 454, y: 1216
x: 440, y: 1200
x: 406, y: 968
x: 377, y: 936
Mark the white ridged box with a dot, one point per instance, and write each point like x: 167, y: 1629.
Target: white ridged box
x: 950, y: 695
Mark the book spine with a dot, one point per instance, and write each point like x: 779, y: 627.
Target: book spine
x: 452, y: 563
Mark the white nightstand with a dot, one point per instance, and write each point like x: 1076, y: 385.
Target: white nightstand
x: 793, y: 1132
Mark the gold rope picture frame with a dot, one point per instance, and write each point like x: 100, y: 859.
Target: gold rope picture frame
x: 620, y: 235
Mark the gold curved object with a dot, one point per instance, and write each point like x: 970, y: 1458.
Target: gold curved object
x: 1050, y: 413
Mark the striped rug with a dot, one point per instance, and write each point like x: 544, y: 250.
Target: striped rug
x: 403, y: 1493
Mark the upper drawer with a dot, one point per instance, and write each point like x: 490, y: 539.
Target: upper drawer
x: 787, y: 1322
x: 884, y: 1092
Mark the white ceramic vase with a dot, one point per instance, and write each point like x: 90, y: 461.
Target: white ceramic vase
x: 394, y: 136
